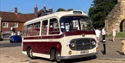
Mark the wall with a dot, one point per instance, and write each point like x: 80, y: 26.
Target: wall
x: 115, y: 17
x: 6, y: 32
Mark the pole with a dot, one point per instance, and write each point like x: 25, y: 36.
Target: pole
x: 0, y: 28
x: 104, y: 46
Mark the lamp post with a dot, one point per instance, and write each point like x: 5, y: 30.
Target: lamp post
x: 0, y: 28
x: 104, y: 47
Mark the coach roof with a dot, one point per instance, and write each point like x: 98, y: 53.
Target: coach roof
x: 57, y: 14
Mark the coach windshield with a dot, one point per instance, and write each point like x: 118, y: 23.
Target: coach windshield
x: 75, y: 23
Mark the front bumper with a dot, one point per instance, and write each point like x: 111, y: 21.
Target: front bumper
x: 76, y: 56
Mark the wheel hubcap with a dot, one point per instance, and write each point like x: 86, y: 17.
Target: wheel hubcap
x: 57, y: 56
x: 30, y: 52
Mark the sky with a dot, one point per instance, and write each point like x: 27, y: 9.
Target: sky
x: 27, y: 6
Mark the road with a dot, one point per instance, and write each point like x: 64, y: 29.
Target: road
x: 11, y: 53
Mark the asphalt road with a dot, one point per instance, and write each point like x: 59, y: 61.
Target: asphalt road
x: 11, y: 53
x: 9, y: 45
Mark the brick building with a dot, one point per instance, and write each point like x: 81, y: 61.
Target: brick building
x: 16, y: 20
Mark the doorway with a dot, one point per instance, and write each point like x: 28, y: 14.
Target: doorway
x: 122, y: 26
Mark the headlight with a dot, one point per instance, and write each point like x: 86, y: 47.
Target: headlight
x: 93, y: 43
x: 72, y: 44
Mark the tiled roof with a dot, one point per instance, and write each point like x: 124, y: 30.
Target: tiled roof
x: 11, y: 16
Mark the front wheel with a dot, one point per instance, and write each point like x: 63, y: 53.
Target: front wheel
x: 57, y: 56
x: 54, y: 55
x: 29, y: 53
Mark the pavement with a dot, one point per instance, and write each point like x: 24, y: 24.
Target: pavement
x: 113, y: 50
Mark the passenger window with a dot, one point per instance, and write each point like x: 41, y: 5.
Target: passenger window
x: 36, y: 28
x: 25, y: 31
x: 33, y: 29
x: 29, y: 30
x: 44, y: 27
x: 53, y: 26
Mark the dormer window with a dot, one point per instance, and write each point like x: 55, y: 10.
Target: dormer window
x: 5, y: 24
x: 15, y: 25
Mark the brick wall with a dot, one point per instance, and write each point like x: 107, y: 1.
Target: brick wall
x: 20, y: 26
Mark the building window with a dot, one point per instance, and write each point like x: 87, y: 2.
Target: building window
x: 5, y: 24
x: 15, y: 25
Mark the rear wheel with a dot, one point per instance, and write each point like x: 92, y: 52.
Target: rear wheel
x: 29, y: 53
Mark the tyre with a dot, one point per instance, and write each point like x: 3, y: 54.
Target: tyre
x: 57, y: 56
x: 60, y: 61
x: 29, y: 53
x: 11, y: 42
x: 54, y: 55
x: 15, y: 41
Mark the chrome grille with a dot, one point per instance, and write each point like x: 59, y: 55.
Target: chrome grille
x: 82, y: 44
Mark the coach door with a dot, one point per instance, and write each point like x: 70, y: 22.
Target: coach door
x: 53, y: 33
x: 43, y: 45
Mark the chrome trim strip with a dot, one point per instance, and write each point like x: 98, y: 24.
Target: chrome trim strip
x: 76, y: 56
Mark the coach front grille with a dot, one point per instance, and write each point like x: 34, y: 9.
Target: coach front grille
x: 82, y: 44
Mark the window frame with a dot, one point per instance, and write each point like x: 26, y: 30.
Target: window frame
x: 44, y: 28
x: 6, y: 24
x: 30, y: 29
x: 15, y: 26
x: 58, y: 28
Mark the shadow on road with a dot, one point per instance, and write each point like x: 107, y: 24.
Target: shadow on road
x: 9, y: 45
x: 120, y: 52
x: 71, y: 60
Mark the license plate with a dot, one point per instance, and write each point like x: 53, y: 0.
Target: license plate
x: 84, y: 52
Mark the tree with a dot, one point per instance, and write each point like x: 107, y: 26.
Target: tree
x: 60, y: 9
x: 99, y: 10
x: 69, y: 9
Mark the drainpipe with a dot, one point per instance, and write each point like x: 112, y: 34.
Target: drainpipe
x: 0, y: 28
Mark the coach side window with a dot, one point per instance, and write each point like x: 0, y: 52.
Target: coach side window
x: 25, y: 31
x: 33, y: 29
x: 53, y: 26
x: 36, y: 28
x: 29, y: 30
x: 44, y: 27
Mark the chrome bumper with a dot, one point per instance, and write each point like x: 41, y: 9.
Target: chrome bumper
x: 76, y: 56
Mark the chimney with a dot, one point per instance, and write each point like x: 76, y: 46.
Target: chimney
x: 42, y: 12
x: 36, y: 11
x: 44, y: 8
x: 50, y: 10
x: 15, y: 9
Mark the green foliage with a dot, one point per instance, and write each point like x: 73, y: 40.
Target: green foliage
x: 69, y: 9
x: 119, y: 34
x: 61, y: 9
x: 99, y: 10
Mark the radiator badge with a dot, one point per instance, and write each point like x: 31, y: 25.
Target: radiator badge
x: 83, y: 43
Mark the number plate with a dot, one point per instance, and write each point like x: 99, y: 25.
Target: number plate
x: 84, y: 52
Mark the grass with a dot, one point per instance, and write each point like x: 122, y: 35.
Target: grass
x: 119, y: 34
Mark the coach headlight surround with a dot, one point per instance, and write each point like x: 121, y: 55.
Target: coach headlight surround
x: 72, y: 45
